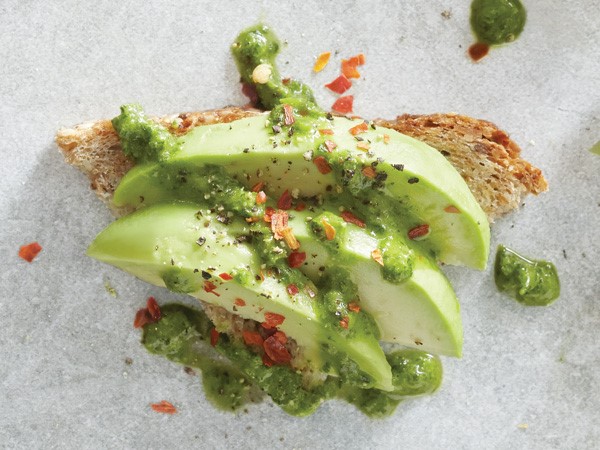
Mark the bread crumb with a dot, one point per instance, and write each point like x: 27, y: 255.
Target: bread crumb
x: 523, y: 426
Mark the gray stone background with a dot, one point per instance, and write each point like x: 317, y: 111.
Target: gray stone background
x: 529, y: 377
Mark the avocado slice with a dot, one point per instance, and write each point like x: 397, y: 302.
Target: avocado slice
x: 186, y: 248
x: 416, y: 178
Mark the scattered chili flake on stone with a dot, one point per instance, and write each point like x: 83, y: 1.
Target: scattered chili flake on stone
x: 349, y: 65
x: 452, y: 209
x: 329, y: 230
x: 288, y: 113
x: 30, y: 251
x: 296, y: 259
x: 351, y: 218
x: 142, y: 317
x: 285, y: 201
x: 252, y: 338
x: 369, y: 172
x: 376, y: 255
x: 240, y: 302
x: 276, y: 351
x: 214, y: 336
x: 343, y: 105
x: 353, y: 307
x: 225, y: 276
x: 418, y: 232
x: 321, y: 61
x: 478, y: 51
x: 153, y: 309
x: 330, y: 145
x: 322, y: 165
x: 164, y: 407
x: 292, y: 289
x: 344, y: 322
x: 261, y: 198
x: 360, y: 128
x: 340, y: 85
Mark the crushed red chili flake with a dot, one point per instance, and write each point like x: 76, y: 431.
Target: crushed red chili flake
x: 351, y: 218
x: 272, y: 320
x: 266, y: 360
x: 142, y: 317
x: 369, y: 172
x: 344, y: 322
x: 258, y: 186
x: 288, y: 115
x: 252, y: 338
x: 322, y: 165
x: 164, y: 407
x: 330, y: 145
x: 276, y: 351
x: 321, y: 61
x: 153, y: 309
x: 452, y: 209
x: 214, y: 336
x: 292, y: 289
x: 349, y: 65
x: 360, y: 128
x: 239, y: 302
x: 261, y: 198
x: 268, y: 214
x: 30, y: 251
x: 340, y: 85
x: 343, y: 105
x: 300, y: 207
x: 285, y: 201
x: 329, y: 230
x: 296, y: 259
x: 353, y: 307
x: 279, y: 222
x: 418, y: 232
x: 210, y: 288
x: 280, y: 336
x: 326, y: 131
x: 478, y: 51
x: 376, y: 255
x: 225, y: 276
x: 364, y: 146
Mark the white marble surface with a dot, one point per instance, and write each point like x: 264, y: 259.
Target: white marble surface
x: 63, y: 340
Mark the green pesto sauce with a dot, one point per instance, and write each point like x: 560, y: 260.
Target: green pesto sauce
x: 496, y: 22
x: 233, y: 375
x: 141, y: 138
x: 531, y: 282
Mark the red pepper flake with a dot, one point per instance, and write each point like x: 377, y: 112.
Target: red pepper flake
x: 329, y: 230
x: 344, y: 322
x: 351, y: 218
x: 280, y: 336
x: 288, y: 113
x: 153, y: 309
x: 300, y: 207
x: 268, y: 214
x: 164, y: 407
x: 276, y: 351
x: 322, y: 165
x: 272, y: 320
x: 239, y: 302
x: 321, y: 61
x: 30, y: 251
x: 296, y: 259
x: 258, y: 186
x: 340, y: 85
x: 210, y: 288
x: 364, y: 146
x: 418, y: 232
x: 360, y: 128
x: 354, y: 307
x: 252, y: 338
x: 261, y: 198
x: 369, y: 172
x: 343, y: 105
x: 349, y: 65
x: 285, y: 201
x: 279, y: 222
x: 325, y: 131
x: 214, y: 336
x: 292, y: 289
x: 225, y: 276
x: 142, y: 317
x: 478, y: 50
x: 266, y: 360
x: 330, y: 145
x: 377, y: 257
x: 452, y: 209
x: 386, y: 138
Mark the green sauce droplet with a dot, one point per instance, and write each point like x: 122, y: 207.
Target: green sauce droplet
x: 497, y: 22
